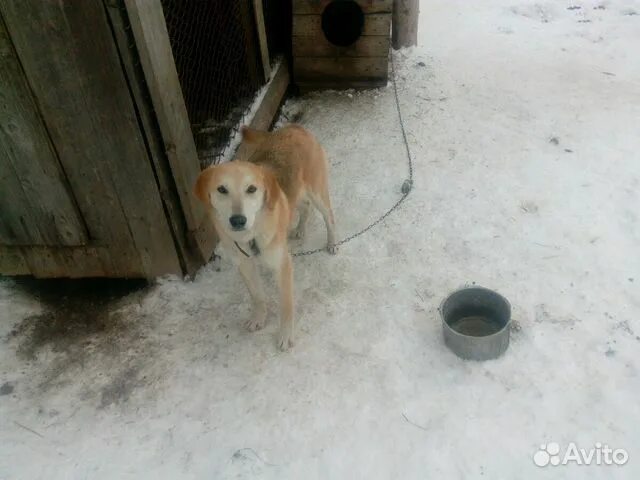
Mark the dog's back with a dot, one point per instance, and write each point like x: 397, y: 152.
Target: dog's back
x: 293, y: 154
x: 299, y: 165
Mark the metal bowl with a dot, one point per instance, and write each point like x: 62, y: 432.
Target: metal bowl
x: 475, y: 322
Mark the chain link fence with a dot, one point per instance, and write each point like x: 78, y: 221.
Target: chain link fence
x: 217, y: 54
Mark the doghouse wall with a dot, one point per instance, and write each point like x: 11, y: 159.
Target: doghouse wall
x: 319, y: 63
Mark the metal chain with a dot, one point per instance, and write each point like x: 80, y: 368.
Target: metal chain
x: 406, y: 186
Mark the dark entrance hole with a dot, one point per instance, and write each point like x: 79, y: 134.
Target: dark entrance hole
x: 342, y: 22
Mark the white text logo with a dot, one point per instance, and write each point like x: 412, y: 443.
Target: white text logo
x: 550, y: 454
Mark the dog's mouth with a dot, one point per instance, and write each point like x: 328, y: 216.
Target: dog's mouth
x: 238, y: 229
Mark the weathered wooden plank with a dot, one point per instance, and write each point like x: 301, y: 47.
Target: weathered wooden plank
x: 190, y: 258
x: 272, y: 99
x: 12, y: 262
x: 319, y: 69
x: 311, y: 25
x: 377, y: 46
x: 152, y: 40
x: 305, y: 86
x: 195, y: 247
x: 49, y: 262
x: 262, y: 38
x: 14, y: 231
x: 303, y: 7
x: 267, y: 110
x: 69, y: 56
x: 36, y: 206
x: 69, y: 262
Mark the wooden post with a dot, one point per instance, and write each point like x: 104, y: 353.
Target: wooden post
x: 267, y: 110
x: 405, y: 23
x: 262, y: 38
x: 154, y: 48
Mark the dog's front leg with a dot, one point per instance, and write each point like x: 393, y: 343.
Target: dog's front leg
x: 285, y: 282
x: 251, y: 279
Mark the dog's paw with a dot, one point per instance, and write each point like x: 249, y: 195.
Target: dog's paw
x: 285, y: 340
x: 332, y: 249
x: 256, y: 322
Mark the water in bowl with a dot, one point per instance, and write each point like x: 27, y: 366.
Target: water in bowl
x: 476, y: 325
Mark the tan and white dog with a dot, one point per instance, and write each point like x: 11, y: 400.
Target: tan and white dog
x: 253, y: 203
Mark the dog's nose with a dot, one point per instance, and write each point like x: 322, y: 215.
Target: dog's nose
x: 238, y: 221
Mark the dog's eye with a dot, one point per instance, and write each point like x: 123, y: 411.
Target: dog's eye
x: 251, y: 189
x: 223, y: 190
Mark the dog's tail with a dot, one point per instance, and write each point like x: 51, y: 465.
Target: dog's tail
x: 251, y: 135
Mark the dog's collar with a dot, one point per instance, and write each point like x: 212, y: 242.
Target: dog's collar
x: 253, y: 245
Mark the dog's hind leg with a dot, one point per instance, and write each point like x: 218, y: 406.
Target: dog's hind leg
x: 250, y: 275
x: 323, y: 204
x: 303, y: 211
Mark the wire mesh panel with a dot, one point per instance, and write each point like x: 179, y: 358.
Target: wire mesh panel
x: 216, y: 51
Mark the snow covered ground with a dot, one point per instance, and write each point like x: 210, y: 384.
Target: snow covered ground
x: 524, y: 121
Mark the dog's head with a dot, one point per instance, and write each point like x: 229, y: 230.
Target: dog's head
x: 237, y: 191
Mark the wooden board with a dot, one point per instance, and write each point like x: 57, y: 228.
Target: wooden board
x: 75, y: 262
x: 154, y: 48
x: 272, y: 99
x: 341, y: 69
x: 12, y: 261
x: 267, y: 110
x: 262, y: 38
x: 37, y: 207
x: 76, y: 76
x: 303, y: 7
x: 305, y: 86
x: 189, y: 260
x: 70, y: 262
x: 152, y: 40
x: 377, y: 46
x: 311, y: 25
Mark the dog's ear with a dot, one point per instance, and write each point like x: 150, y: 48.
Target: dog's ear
x: 203, y: 185
x: 250, y: 135
x: 271, y: 188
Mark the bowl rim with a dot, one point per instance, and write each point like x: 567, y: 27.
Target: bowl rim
x: 474, y: 287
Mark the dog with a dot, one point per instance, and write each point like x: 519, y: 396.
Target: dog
x: 253, y: 202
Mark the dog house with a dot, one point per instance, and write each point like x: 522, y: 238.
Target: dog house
x: 341, y: 43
